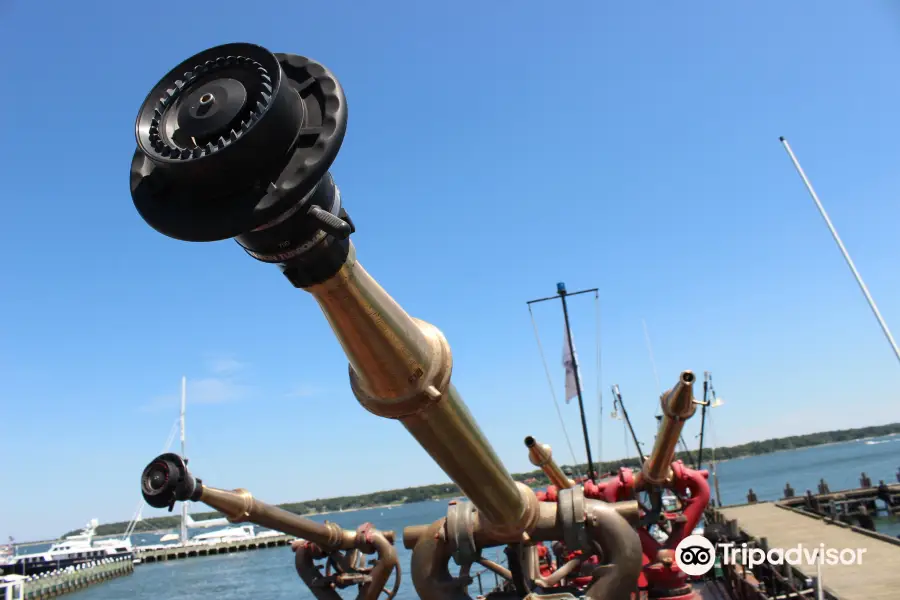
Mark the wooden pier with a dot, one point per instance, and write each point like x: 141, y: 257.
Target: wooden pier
x: 775, y: 525
x: 851, y: 506
x: 57, y: 583
x: 151, y: 555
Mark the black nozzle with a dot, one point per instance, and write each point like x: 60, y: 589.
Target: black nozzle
x: 236, y: 142
x: 167, y: 480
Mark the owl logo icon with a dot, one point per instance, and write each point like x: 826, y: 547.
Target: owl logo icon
x: 695, y: 555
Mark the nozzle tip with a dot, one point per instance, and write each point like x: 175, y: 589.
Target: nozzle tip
x: 688, y: 377
x: 780, y: 138
x: 529, y: 442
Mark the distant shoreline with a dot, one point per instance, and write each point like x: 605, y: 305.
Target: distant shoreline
x: 397, y: 497
x: 357, y: 509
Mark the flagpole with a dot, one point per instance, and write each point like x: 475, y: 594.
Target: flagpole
x: 843, y: 249
x: 561, y: 293
x: 183, y: 530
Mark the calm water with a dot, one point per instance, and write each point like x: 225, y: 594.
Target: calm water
x: 269, y: 574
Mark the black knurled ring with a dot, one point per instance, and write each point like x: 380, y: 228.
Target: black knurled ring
x: 257, y: 110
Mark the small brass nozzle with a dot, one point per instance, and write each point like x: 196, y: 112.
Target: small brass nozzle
x: 677, y: 407
x: 541, y: 455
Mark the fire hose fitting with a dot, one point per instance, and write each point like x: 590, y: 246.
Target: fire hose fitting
x: 166, y: 479
x: 595, y: 527
x: 677, y: 406
x: 236, y: 142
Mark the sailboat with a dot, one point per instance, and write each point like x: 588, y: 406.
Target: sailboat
x: 228, y: 533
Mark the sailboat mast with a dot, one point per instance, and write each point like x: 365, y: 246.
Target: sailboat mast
x: 592, y: 475
x: 562, y: 294
x: 843, y: 249
x: 706, y: 378
x: 183, y: 455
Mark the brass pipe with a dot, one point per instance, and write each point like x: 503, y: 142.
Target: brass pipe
x: 400, y: 369
x: 306, y: 569
x: 612, y: 533
x: 240, y: 506
x: 546, y: 528
x: 677, y: 407
x: 411, y: 535
x: 321, y: 587
x: 541, y: 455
x: 430, y: 567
x: 621, y: 549
x: 495, y: 568
x: 530, y: 561
x: 381, y: 572
x: 559, y: 574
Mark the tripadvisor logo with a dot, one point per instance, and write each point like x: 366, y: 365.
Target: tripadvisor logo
x: 695, y: 555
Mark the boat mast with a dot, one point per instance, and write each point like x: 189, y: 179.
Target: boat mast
x: 561, y: 293
x: 843, y: 249
x: 184, y: 536
x: 617, y: 401
x: 706, y: 378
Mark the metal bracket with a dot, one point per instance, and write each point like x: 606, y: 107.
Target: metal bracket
x: 461, y: 532
x: 572, y: 513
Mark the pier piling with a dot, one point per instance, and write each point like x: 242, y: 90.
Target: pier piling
x: 72, y: 579
x: 159, y: 554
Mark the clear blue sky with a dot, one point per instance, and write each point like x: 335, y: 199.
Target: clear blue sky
x: 494, y: 148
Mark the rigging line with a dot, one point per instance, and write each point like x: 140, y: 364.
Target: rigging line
x: 599, y: 382
x: 681, y: 441
x: 652, y: 361
x: 171, y: 437
x: 136, y: 516
x: 562, y: 422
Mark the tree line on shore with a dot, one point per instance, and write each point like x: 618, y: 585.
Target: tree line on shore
x: 534, y: 478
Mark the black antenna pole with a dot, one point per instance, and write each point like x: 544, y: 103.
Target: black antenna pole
x: 690, y: 455
x: 561, y: 293
x: 707, y: 376
x: 617, y: 397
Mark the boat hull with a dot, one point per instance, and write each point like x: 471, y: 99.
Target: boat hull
x: 38, y: 567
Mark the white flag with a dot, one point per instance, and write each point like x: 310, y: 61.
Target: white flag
x: 570, y: 362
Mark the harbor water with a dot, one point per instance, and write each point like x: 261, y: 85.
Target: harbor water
x: 269, y: 573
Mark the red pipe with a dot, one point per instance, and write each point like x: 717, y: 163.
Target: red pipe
x: 660, y: 572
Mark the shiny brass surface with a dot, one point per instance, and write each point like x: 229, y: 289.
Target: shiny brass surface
x: 621, y: 549
x: 371, y: 581
x: 559, y: 574
x: 392, y: 359
x: 240, y: 506
x: 400, y: 368
x: 541, y: 455
x: 677, y: 407
x: 449, y: 433
x: 547, y: 527
x: 605, y: 525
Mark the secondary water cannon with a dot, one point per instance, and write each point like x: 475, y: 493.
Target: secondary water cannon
x: 541, y: 456
x: 661, y: 576
x: 677, y: 406
x: 237, y: 142
x: 167, y: 480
